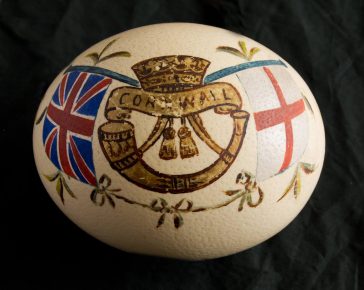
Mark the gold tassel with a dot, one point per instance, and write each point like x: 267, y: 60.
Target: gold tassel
x: 187, y: 145
x: 168, y: 149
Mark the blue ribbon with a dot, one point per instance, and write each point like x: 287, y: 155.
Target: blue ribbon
x: 208, y: 79
x: 105, y: 72
x: 236, y: 68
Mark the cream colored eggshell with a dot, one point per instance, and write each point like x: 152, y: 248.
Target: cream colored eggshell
x: 205, y: 234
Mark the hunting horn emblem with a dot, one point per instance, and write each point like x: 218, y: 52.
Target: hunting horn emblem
x: 171, y: 88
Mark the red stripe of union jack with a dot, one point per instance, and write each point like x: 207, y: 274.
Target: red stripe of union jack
x: 69, y: 124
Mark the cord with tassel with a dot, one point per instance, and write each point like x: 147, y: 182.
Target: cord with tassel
x: 168, y: 149
x: 187, y: 145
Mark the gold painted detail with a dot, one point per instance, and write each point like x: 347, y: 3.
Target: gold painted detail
x: 172, y: 89
x: 168, y: 149
x: 126, y: 158
x: 187, y: 146
x: 169, y: 69
x: 222, y: 97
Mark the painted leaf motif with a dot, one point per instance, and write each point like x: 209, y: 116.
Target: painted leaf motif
x: 93, y: 195
x: 70, y: 192
x: 41, y: 116
x: 161, y: 220
x: 153, y: 203
x: 163, y: 202
x: 232, y: 192
x: 59, y: 188
x: 110, y: 200
x: 290, y: 186
x: 241, y: 203
x: 307, y: 167
x: 51, y: 177
x: 101, y: 203
x: 252, y: 52
x: 307, y: 103
x: 178, y: 204
x: 119, y: 53
x: 94, y: 57
x: 231, y: 50
x: 297, y: 185
x: 107, y: 46
x: 114, y: 189
x: 189, y: 204
x: 178, y: 220
x: 243, y: 47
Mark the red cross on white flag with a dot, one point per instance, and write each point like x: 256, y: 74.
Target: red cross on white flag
x: 280, y: 118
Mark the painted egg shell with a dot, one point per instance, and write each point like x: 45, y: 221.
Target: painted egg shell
x: 179, y: 140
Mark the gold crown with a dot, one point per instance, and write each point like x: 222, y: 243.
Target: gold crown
x: 171, y: 73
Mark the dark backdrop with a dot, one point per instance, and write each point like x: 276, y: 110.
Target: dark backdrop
x: 320, y: 249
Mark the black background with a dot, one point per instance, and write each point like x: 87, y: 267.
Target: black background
x: 321, y: 249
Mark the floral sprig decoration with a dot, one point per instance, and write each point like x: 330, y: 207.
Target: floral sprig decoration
x: 103, y: 192
x: 61, y: 184
x: 245, y: 195
x: 295, y: 184
x: 99, y: 57
x: 250, y: 187
x: 243, y: 52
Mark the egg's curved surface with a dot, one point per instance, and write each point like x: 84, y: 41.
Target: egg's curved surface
x: 179, y: 140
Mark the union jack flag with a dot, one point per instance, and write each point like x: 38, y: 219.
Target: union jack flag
x: 69, y: 123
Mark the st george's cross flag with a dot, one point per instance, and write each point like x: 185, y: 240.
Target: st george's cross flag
x: 280, y: 118
x: 69, y: 123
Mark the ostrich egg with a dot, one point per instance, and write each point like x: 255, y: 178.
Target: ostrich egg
x: 179, y: 140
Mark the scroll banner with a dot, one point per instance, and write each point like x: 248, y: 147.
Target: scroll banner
x: 222, y: 97
x: 118, y: 143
